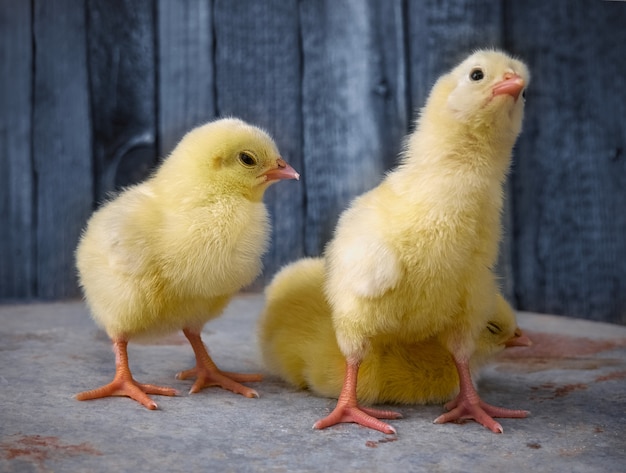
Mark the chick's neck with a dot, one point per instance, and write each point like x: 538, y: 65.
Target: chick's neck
x: 453, y: 174
x: 457, y: 159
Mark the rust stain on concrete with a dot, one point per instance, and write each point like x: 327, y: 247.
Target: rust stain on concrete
x: 38, y: 449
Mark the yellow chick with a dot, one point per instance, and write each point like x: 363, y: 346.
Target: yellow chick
x: 412, y: 258
x: 168, y: 254
x: 298, y: 343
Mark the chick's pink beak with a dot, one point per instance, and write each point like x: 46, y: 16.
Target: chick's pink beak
x: 281, y: 171
x: 519, y: 339
x: 511, y: 85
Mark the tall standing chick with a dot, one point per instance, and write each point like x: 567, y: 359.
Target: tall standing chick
x: 169, y: 253
x: 413, y: 258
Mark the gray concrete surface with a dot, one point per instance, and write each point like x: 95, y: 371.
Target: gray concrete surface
x: 573, y: 380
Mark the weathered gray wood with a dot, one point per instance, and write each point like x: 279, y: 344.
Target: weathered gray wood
x: 257, y: 65
x: 61, y: 142
x: 353, y: 102
x: 17, y: 261
x: 123, y: 93
x: 186, y: 83
x: 570, y: 174
x: 441, y: 34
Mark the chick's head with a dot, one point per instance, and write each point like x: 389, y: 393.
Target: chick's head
x: 487, y: 89
x: 500, y: 332
x: 227, y: 156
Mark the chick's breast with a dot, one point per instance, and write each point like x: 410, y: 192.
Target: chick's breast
x: 214, y: 250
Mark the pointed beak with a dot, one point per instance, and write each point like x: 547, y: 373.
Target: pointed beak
x: 519, y: 339
x: 512, y: 85
x: 281, y: 171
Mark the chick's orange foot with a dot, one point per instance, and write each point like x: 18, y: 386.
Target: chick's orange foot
x: 207, y: 377
x: 359, y: 415
x: 348, y: 410
x: 207, y: 374
x: 121, y: 386
x: 123, y: 383
x: 483, y: 413
x: 468, y: 405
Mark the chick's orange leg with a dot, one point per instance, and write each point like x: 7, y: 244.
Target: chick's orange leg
x: 208, y: 374
x: 348, y: 410
x: 468, y: 405
x: 123, y: 383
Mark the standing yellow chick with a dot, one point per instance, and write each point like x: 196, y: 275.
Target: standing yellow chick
x: 169, y: 253
x: 413, y: 258
x: 298, y: 343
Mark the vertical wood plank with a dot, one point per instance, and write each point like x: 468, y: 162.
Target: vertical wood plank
x: 123, y: 92
x: 186, y: 82
x: 441, y: 34
x: 257, y: 60
x: 61, y: 142
x: 354, y: 104
x: 17, y: 257
x: 570, y: 176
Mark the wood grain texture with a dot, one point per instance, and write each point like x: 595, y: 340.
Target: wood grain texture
x: 122, y: 75
x: 353, y: 104
x: 257, y: 63
x: 186, y: 76
x: 61, y: 142
x: 570, y: 175
x: 17, y: 257
x: 442, y: 34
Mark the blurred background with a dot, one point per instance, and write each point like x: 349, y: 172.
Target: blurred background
x: 94, y: 92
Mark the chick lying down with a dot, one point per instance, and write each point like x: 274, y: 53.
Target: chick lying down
x: 168, y: 254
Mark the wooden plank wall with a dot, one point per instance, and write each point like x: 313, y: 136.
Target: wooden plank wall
x: 17, y: 219
x: 61, y: 142
x: 93, y: 92
x: 353, y: 104
x: 569, y: 194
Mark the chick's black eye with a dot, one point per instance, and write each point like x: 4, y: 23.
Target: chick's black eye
x: 477, y: 74
x: 247, y: 160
